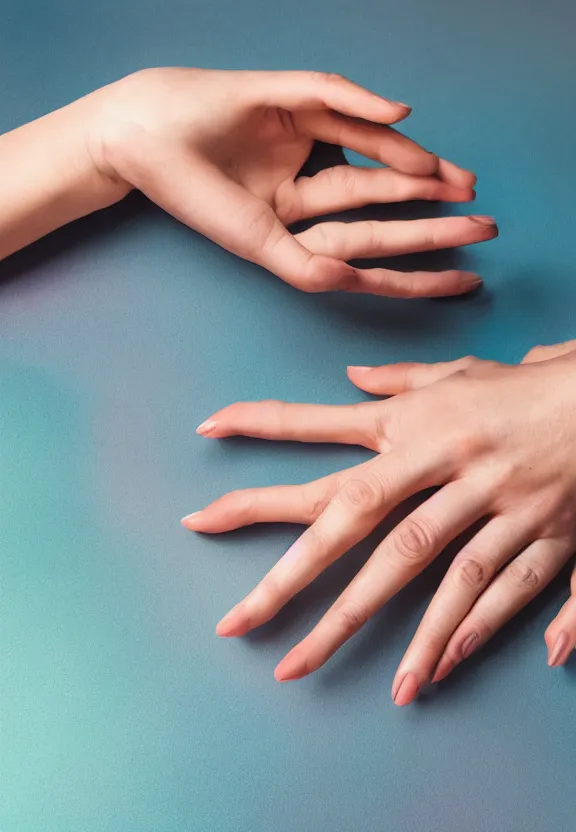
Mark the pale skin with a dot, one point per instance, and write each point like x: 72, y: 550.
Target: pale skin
x: 499, y: 444
x: 221, y: 151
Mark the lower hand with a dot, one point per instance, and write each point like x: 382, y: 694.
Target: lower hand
x: 221, y: 151
x: 499, y: 443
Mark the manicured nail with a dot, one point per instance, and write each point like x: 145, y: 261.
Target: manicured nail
x: 206, y: 427
x: 360, y: 369
x: 233, y: 623
x: 560, y: 651
x: 472, y: 279
x: 445, y: 667
x: 401, y: 104
x: 407, y: 689
x: 481, y: 220
x: 189, y: 522
x: 469, y: 645
x: 291, y: 667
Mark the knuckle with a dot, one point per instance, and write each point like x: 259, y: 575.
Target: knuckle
x: 367, y: 492
x: 313, y: 504
x: 415, y: 537
x: 326, y: 77
x: 468, y: 362
x: 524, y: 577
x: 470, y: 572
x: 351, y: 617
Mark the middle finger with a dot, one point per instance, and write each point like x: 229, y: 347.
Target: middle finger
x: 370, y: 238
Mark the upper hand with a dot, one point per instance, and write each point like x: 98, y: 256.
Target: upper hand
x: 221, y: 151
x: 500, y: 443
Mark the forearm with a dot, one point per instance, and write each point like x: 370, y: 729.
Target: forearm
x: 48, y: 176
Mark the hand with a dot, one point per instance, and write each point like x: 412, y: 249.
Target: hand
x: 500, y: 444
x: 221, y: 151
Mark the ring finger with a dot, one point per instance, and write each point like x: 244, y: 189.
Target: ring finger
x: 521, y: 581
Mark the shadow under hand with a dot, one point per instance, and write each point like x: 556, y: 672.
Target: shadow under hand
x: 398, y: 620
x: 86, y: 230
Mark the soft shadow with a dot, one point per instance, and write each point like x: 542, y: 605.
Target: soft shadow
x: 84, y: 231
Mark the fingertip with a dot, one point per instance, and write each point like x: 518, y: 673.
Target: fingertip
x: 405, y: 689
x: 191, y: 521
x: 357, y: 370
x: 291, y: 667
x: 443, y: 669
x: 403, y: 111
x: 455, y: 175
x: 207, y: 428
x: 233, y: 624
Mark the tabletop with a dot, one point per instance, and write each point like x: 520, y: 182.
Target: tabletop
x: 120, y: 709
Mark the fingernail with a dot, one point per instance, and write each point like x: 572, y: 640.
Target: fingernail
x: 561, y: 650
x: 445, y: 667
x: 407, y: 690
x: 473, y: 279
x: 233, y: 623
x: 473, y: 196
x: 401, y: 104
x: 360, y: 369
x: 481, y: 220
x: 291, y: 667
x: 189, y: 521
x: 469, y: 645
x: 206, y: 427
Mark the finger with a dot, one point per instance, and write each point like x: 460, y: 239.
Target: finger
x: 560, y: 636
x: 375, y: 141
x: 454, y: 175
x: 515, y: 586
x: 346, y: 186
x: 392, y: 379
x: 357, y: 507
x: 545, y: 353
x: 392, y: 284
x: 310, y: 90
x: 400, y: 557
x: 353, y: 240
x: 277, y: 504
x: 468, y: 576
x: 359, y: 424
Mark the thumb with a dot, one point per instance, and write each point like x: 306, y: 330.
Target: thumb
x: 204, y: 198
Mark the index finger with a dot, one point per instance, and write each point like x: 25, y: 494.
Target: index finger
x: 301, y: 90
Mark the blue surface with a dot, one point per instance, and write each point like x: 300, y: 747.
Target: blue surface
x: 121, y: 711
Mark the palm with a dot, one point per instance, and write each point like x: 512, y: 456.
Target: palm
x: 264, y: 153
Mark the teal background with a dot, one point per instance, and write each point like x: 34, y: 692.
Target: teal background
x: 121, y: 711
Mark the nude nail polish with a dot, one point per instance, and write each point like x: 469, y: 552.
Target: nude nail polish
x: 189, y: 521
x: 407, y: 690
x: 232, y: 624
x: 469, y: 645
x: 205, y: 427
x: 560, y: 650
x: 291, y: 667
x: 482, y: 220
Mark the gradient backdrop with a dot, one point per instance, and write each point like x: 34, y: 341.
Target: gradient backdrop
x: 121, y: 711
